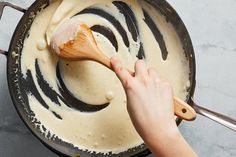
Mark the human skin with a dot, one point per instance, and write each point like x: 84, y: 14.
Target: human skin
x: 150, y: 106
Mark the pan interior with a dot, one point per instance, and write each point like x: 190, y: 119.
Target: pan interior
x: 40, y: 95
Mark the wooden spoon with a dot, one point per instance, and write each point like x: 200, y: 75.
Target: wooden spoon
x: 84, y: 47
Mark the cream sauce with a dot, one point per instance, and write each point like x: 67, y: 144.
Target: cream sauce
x: 109, y: 129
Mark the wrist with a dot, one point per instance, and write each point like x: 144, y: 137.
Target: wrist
x: 162, y: 132
x: 169, y: 143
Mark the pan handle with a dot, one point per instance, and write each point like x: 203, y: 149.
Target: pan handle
x: 217, y: 117
x: 3, y: 52
x: 2, y: 6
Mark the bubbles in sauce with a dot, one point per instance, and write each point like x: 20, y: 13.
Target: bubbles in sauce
x: 41, y: 45
x: 110, y: 95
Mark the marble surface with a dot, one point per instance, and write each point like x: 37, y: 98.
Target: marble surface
x: 212, y: 27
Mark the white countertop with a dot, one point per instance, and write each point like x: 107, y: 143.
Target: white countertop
x: 212, y: 27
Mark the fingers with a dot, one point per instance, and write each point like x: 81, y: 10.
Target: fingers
x: 153, y: 74
x: 141, y: 69
x: 121, y: 72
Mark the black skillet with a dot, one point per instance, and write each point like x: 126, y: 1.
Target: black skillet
x: 19, y: 86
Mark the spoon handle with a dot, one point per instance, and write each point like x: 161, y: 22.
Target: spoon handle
x: 183, y: 110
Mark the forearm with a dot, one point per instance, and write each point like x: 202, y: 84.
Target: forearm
x: 172, y: 144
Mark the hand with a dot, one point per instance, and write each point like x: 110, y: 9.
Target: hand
x: 151, y: 109
x: 149, y: 99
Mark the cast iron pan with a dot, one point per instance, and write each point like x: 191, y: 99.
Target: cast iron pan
x: 19, y: 86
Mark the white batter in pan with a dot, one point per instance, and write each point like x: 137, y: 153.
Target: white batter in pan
x: 109, y: 129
